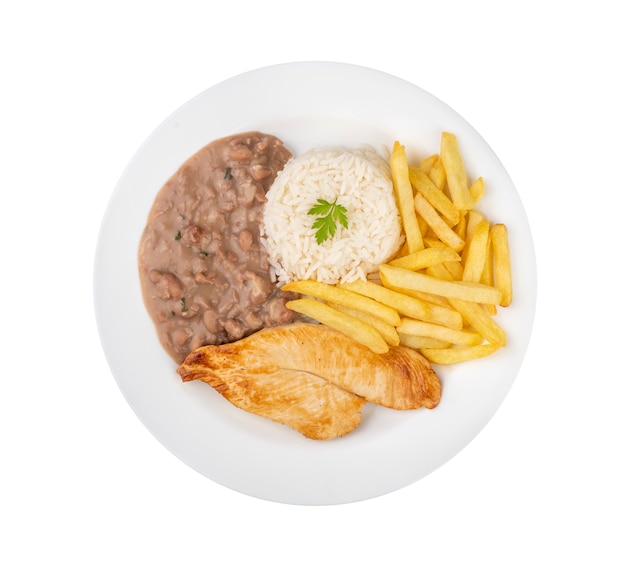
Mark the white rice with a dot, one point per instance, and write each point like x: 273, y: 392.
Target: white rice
x: 360, y: 180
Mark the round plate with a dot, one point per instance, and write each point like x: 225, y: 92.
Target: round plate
x: 306, y: 105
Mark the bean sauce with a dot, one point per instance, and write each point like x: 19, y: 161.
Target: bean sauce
x: 204, y: 273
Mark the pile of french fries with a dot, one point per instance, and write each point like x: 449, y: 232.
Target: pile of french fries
x: 441, y: 293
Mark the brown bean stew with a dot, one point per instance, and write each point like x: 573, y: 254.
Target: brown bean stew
x: 204, y: 273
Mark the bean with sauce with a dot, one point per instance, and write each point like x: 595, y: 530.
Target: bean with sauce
x: 204, y: 272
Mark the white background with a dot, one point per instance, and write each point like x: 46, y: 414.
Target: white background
x: 84, y: 483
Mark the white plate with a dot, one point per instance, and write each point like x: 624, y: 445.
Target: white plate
x: 306, y: 105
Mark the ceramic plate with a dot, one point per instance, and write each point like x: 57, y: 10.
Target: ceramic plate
x: 306, y: 105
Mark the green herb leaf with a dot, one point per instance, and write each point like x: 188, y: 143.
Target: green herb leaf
x: 329, y: 214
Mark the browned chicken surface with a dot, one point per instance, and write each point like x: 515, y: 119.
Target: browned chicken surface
x: 313, y: 378
x: 311, y: 405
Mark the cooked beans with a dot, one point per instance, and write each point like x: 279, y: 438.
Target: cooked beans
x: 204, y: 273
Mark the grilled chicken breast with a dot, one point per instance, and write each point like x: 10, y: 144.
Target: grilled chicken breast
x: 311, y: 405
x: 313, y: 378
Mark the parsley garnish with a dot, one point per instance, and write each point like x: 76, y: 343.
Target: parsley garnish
x: 329, y: 214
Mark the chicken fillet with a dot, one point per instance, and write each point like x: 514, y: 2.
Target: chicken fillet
x: 313, y: 378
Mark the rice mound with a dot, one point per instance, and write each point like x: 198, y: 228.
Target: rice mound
x: 360, y: 180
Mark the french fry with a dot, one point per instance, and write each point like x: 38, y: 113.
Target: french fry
x: 434, y: 195
x: 472, y: 218
x: 487, y: 277
x: 473, y: 314
x: 476, y: 253
x: 427, y: 297
x: 387, y: 331
x: 476, y: 316
x: 426, y: 257
x: 415, y: 342
x: 437, y: 174
x: 404, y: 251
x: 458, y: 354
x: 405, y: 304
x: 451, y: 271
x: 404, y: 197
x: 455, y: 172
x: 443, y: 273
x: 443, y: 315
x: 424, y: 228
x: 335, y: 294
x: 461, y: 228
x: 434, y: 242
x: 427, y: 164
x: 350, y: 326
x: 437, y: 224
x: 468, y: 291
x: 477, y: 189
x: 461, y: 266
x: 455, y: 268
x: 445, y: 334
x: 502, y: 259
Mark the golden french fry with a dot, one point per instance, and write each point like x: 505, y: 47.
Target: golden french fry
x: 477, y: 189
x: 350, y: 326
x: 462, y: 265
x: 445, y: 334
x: 335, y: 294
x: 404, y: 196
x: 468, y: 291
x: 423, y: 226
x: 443, y: 315
x: 502, y: 259
x: 415, y: 342
x: 404, y: 251
x: 455, y: 172
x: 437, y: 224
x: 461, y: 228
x: 434, y: 242
x: 387, y: 331
x: 487, y: 277
x: 476, y: 253
x: 443, y: 272
x: 435, y: 196
x: 455, y: 268
x: 450, y: 271
x: 427, y: 297
x: 406, y: 304
x: 437, y: 174
x: 426, y: 257
x: 476, y: 316
x: 428, y: 163
x: 472, y: 218
x: 458, y: 354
